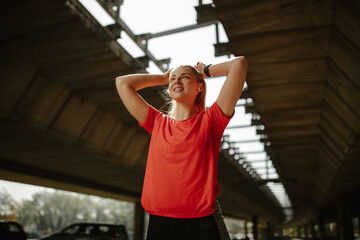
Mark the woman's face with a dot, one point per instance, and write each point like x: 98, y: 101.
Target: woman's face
x: 183, y: 84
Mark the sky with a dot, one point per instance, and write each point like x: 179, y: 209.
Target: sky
x: 153, y: 16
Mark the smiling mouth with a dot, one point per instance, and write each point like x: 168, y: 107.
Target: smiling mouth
x: 178, y: 89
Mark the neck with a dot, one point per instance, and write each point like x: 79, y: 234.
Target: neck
x: 184, y: 111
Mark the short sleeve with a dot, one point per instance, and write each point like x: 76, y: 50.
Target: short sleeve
x: 148, y: 125
x: 219, y: 119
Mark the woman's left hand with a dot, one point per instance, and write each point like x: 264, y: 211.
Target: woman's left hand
x: 200, y: 67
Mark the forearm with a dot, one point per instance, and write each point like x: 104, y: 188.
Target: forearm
x: 224, y: 68
x: 140, y: 81
x: 235, y: 70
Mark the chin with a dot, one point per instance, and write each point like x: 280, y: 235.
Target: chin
x: 175, y: 96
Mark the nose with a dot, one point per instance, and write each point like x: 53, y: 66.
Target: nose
x: 178, y: 80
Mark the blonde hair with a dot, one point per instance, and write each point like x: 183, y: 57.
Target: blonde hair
x: 199, y: 100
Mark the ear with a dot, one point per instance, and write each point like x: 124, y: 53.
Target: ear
x: 200, y: 87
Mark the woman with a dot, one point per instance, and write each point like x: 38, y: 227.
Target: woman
x: 180, y: 185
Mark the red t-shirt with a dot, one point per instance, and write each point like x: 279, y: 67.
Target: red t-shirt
x: 181, y: 171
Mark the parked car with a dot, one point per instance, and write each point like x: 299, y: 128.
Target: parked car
x: 90, y: 231
x: 11, y: 231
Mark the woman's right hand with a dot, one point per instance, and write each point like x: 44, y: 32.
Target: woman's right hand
x: 166, y: 76
x: 200, y: 67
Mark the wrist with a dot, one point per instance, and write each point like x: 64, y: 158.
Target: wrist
x: 207, y: 71
x: 166, y: 76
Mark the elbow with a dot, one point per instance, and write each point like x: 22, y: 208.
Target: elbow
x: 241, y: 60
x: 117, y: 81
x: 120, y: 81
x: 239, y: 63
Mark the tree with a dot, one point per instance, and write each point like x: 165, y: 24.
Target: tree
x: 7, y: 206
x: 52, y: 211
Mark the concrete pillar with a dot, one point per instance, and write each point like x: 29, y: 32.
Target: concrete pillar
x: 255, y: 227
x: 298, y: 231
x: 344, y: 220
x: 139, y: 222
x: 312, y: 229
x: 321, y: 223
x: 306, y: 231
x: 269, y: 232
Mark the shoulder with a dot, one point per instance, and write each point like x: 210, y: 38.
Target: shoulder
x: 218, y: 117
x: 153, y: 116
x: 215, y: 109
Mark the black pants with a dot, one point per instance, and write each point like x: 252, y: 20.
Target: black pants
x: 164, y: 228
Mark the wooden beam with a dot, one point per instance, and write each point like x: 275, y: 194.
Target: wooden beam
x: 242, y: 17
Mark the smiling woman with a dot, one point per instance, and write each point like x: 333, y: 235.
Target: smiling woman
x: 180, y: 185
x: 182, y: 80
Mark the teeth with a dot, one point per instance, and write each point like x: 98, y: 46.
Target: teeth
x: 178, y: 89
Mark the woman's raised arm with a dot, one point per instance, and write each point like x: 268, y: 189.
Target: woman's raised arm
x: 236, y: 70
x: 128, y: 85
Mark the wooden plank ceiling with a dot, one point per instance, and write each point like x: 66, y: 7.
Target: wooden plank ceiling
x: 62, y: 124
x: 304, y: 78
